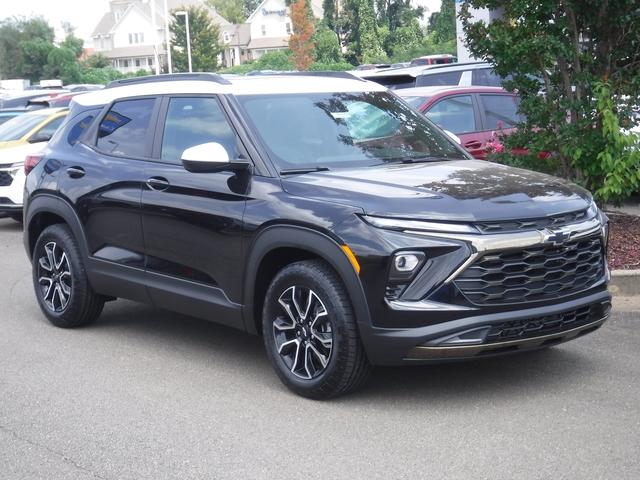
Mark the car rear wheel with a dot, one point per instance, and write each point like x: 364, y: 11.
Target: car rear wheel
x: 60, y: 280
x: 310, y: 332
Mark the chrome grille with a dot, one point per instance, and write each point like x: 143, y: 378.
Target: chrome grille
x: 533, y: 273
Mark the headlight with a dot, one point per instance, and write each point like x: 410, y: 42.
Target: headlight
x: 400, y: 224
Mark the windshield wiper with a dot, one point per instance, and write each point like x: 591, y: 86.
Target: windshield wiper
x: 415, y: 160
x: 299, y: 171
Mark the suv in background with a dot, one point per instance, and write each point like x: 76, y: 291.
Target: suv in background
x: 460, y: 74
x: 319, y: 210
x: 433, y: 60
x: 476, y: 115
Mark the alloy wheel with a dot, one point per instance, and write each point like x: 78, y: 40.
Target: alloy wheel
x: 303, y: 333
x: 54, y: 277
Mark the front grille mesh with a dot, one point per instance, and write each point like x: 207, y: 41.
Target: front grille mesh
x: 5, y: 179
x: 547, y: 325
x: 535, y: 273
x: 533, y: 224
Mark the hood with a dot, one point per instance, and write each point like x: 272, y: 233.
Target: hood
x: 465, y: 190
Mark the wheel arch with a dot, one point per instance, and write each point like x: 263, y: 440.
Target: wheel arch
x: 45, y: 210
x: 279, y: 245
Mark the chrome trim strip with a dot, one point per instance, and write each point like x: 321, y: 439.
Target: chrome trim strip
x: 425, y: 306
x: 506, y: 241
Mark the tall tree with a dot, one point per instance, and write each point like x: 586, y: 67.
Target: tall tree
x: 205, y: 46
x: 584, y: 55
x: 301, y: 42
x: 24, y: 47
x: 442, y: 24
x: 232, y: 10
x: 329, y: 13
x: 72, y: 42
x: 363, y: 36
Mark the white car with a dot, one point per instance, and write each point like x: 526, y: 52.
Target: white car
x: 12, y: 177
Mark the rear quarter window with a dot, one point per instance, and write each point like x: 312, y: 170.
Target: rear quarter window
x: 435, y: 79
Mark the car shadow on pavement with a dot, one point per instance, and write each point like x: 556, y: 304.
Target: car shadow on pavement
x: 459, y: 383
x: 10, y: 225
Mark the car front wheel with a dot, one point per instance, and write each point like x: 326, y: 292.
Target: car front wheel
x: 310, y: 332
x: 60, y: 280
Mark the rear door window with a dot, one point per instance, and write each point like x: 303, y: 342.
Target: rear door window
x: 124, y: 130
x: 500, y: 111
x: 435, y: 79
x: 454, y: 114
x: 486, y: 77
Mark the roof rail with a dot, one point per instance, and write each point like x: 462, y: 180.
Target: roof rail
x: 319, y: 73
x: 170, y: 77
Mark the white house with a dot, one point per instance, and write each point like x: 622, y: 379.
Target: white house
x: 132, y: 39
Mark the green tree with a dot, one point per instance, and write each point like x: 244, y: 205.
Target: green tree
x: 405, y: 38
x: 558, y: 52
x: 232, y: 10
x: 327, y: 46
x: 205, y: 46
x: 96, y: 60
x: 24, y: 47
x: 442, y: 24
x: 329, y: 14
x: 62, y: 63
x: 363, y: 36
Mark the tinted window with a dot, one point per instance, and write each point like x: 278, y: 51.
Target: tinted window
x: 193, y: 121
x: 434, y: 79
x: 123, y: 130
x: 500, y: 111
x: 80, y: 126
x: 18, y: 127
x: 454, y: 114
x: 50, y: 128
x: 343, y: 130
x: 486, y: 77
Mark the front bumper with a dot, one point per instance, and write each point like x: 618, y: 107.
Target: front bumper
x: 388, y: 346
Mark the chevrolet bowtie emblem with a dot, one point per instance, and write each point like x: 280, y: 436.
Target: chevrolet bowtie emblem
x: 556, y: 237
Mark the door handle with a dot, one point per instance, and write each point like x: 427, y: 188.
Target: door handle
x: 158, y: 183
x: 473, y: 144
x: 75, y: 172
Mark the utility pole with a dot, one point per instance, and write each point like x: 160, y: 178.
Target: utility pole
x: 167, y: 34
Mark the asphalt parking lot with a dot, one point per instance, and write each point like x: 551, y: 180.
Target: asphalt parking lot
x: 146, y: 394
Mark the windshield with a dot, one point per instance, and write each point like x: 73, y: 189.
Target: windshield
x: 343, y: 130
x: 18, y: 127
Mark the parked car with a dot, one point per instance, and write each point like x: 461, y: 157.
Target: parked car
x: 460, y: 74
x: 12, y: 176
x: 318, y: 210
x: 7, y: 114
x: 32, y: 127
x: 21, y: 99
x: 477, y: 115
x: 60, y: 101
x: 433, y: 60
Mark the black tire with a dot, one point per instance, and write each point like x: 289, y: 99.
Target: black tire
x: 83, y: 305
x: 347, y: 367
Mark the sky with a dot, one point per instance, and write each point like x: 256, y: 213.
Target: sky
x: 84, y: 15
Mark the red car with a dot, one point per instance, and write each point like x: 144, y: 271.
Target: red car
x: 477, y: 115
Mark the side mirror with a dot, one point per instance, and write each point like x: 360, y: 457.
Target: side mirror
x: 453, y: 136
x: 210, y: 157
x: 40, y: 137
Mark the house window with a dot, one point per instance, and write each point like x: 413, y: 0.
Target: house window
x: 125, y: 63
x: 226, y: 37
x: 288, y: 25
x: 137, y: 62
x: 264, y: 29
x: 150, y: 61
x: 142, y: 38
x: 130, y: 38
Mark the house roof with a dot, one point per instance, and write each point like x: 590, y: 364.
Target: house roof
x: 275, y: 42
x: 241, y: 34
x: 108, y: 22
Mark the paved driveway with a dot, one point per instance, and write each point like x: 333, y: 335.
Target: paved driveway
x: 145, y: 394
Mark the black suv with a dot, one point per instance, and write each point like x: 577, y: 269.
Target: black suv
x: 319, y: 211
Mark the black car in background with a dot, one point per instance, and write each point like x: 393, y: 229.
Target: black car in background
x: 317, y: 210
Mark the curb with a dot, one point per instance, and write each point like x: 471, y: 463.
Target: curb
x: 625, y: 283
